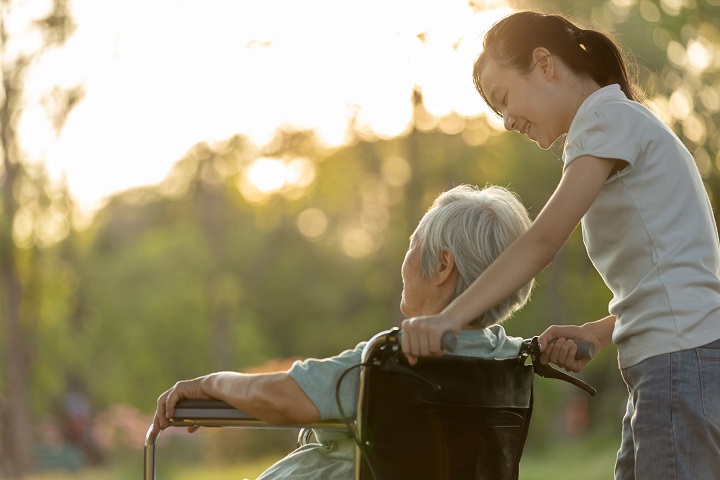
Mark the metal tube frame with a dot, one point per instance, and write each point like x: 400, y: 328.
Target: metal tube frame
x: 151, y: 438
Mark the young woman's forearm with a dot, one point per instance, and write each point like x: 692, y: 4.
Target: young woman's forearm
x: 537, y: 247
x: 272, y: 397
x: 513, y: 269
x: 602, y: 329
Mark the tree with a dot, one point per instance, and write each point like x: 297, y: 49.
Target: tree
x: 22, y: 192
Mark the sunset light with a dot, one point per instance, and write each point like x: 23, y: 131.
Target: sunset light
x: 162, y: 76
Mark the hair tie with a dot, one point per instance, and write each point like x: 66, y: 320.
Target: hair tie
x: 582, y: 37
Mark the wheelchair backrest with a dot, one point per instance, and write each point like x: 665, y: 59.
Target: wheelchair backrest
x: 445, y: 418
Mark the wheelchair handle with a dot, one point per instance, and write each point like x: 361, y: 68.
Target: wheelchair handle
x: 447, y: 342
x: 585, y: 349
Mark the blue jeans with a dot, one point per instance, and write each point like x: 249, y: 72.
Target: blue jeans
x: 671, y: 430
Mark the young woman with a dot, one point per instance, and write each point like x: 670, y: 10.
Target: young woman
x: 648, y: 227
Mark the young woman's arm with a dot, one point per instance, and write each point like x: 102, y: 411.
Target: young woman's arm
x: 521, y: 262
x: 272, y: 397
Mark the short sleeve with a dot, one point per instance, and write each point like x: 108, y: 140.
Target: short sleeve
x: 606, y: 131
x: 318, y: 378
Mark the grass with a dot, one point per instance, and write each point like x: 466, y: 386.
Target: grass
x: 247, y: 470
x: 588, y: 458
x: 245, y: 453
x: 240, y: 471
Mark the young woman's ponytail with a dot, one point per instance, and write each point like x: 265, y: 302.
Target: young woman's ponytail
x: 607, y: 64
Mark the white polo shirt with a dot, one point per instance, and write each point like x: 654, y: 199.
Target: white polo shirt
x: 650, y: 233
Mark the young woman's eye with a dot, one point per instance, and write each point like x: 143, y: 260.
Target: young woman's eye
x: 503, y: 103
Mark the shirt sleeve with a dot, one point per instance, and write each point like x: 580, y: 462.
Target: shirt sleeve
x: 607, y: 131
x: 318, y: 378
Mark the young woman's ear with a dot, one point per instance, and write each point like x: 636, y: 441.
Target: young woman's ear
x: 445, y: 268
x: 543, y: 61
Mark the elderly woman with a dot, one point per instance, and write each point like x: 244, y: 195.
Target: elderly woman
x: 461, y: 234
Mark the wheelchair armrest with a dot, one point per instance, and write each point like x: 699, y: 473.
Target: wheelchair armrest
x: 216, y: 413
x: 207, y: 409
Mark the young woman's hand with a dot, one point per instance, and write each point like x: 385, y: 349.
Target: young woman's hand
x: 557, y: 342
x: 557, y: 346
x: 422, y: 336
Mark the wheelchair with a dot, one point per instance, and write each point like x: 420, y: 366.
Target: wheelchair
x: 445, y: 418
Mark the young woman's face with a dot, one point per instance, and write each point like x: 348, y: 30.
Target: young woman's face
x: 528, y: 104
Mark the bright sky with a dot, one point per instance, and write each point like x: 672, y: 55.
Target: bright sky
x: 163, y: 75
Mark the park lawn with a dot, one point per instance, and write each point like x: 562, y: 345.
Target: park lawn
x: 587, y: 458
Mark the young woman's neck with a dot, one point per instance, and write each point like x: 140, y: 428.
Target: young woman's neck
x: 581, y: 88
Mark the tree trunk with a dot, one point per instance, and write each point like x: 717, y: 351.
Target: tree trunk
x: 16, y: 424
x: 15, y: 418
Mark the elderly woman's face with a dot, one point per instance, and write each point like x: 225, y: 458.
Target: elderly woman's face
x: 418, y: 296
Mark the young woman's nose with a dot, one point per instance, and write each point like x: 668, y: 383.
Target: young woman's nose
x: 509, y: 122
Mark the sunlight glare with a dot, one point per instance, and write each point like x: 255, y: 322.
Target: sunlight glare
x: 188, y: 72
x: 299, y: 173
x: 681, y: 103
x: 676, y: 54
x: 699, y: 54
x: 710, y: 98
x: 395, y: 171
x: 267, y: 175
x: 312, y: 223
x: 357, y: 242
x: 693, y: 128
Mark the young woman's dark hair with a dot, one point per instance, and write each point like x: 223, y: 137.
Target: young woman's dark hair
x: 511, y: 42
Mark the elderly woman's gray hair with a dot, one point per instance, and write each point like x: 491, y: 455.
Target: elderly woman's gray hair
x: 476, y: 226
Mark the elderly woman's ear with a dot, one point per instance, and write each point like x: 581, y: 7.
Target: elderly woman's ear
x: 446, y: 269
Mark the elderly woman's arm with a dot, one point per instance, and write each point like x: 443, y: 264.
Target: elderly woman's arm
x: 273, y: 397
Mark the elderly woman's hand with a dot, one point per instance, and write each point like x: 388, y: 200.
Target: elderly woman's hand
x: 190, y: 389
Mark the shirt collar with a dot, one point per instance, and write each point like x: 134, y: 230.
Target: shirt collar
x: 600, y: 96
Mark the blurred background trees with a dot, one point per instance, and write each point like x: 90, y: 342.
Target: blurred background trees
x: 248, y: 253
x: 31, y: 212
